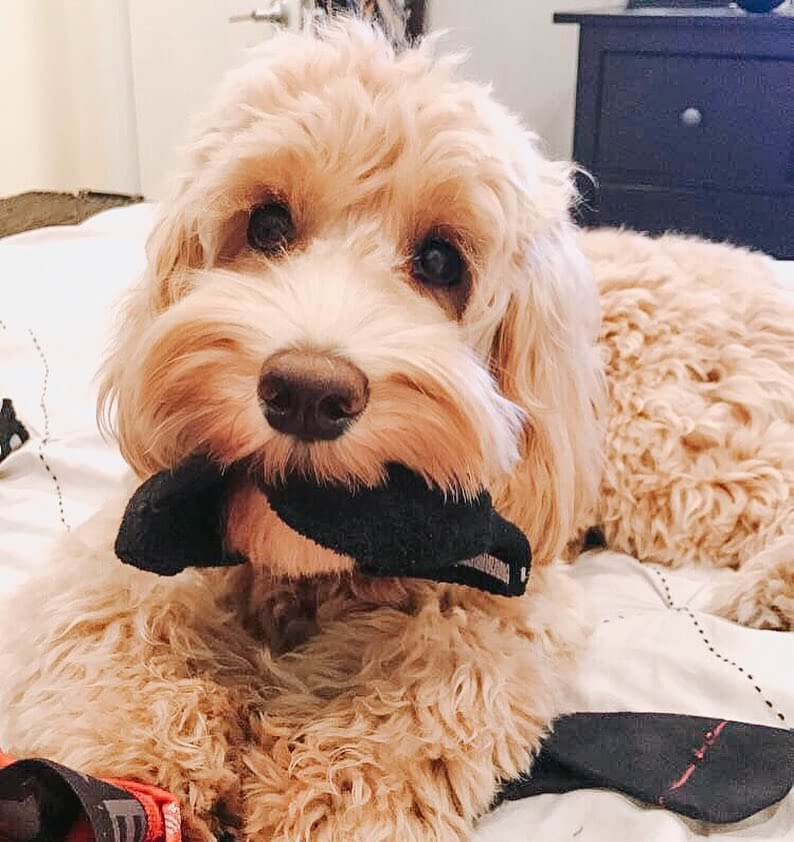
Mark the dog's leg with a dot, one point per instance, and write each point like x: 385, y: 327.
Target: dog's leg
x: 409, y: 715
x: 761, y: 593
x: 117, y: 673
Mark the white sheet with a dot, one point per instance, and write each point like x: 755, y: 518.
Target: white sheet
x: 58, y: 289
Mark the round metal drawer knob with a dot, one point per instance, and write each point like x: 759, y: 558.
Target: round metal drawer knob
x: 691, y: 117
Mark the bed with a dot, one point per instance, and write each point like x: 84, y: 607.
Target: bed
x: 653, y: 648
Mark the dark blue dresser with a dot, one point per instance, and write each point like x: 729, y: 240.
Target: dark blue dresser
x: 686, y: 120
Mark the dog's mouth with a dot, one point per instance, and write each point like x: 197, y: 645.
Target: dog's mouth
x: 402, y: 526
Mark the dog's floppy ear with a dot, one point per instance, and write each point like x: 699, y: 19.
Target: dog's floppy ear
x: 118, y: 409
x: 545, y: 359
x: 173, y: 247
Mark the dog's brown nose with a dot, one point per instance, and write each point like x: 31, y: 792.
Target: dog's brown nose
x: 311, y: 396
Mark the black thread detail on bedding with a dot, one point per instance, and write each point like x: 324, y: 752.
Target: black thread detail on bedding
x: 668, y: 597
x: 718, y: 655
x: 46, y: 437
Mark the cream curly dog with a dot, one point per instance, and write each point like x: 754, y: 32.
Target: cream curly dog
x: 355, y: 217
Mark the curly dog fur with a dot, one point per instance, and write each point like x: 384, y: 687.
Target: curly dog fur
x: 290, y: 699
x: 698, y: 340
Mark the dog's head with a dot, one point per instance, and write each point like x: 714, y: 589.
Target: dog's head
x: 366, y: 260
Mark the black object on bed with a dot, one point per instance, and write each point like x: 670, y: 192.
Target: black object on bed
x: 41, y: 801
x: 12, y: 432
x: 714, y: 770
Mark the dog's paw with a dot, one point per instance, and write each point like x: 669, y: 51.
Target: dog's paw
x: 314, y: 790
x: 761, y: 594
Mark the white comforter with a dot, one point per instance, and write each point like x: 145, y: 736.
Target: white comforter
x: 58, y: 289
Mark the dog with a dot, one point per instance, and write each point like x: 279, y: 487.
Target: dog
x: 364, y: 236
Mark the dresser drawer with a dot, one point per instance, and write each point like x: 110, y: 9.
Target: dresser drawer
x: 696, y: 120
x: 760, y: 222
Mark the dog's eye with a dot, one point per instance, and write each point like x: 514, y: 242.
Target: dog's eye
x: 437, y: 262
x: 270, y: 228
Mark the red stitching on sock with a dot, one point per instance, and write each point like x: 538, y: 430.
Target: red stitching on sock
x: 710, y: 738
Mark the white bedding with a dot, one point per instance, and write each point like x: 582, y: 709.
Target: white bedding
x: 57, y: 292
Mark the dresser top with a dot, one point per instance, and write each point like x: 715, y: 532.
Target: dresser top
x: 722, y: 18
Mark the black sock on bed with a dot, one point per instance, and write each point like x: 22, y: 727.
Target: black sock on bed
x: 403, y: 527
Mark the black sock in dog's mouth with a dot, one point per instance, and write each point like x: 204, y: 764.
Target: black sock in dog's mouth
x: 402, y: 527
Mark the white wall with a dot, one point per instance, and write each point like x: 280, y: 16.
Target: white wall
x: 531, y: 61
x: 67, y: 118
x: 68, y: 114
x: 180, y: 51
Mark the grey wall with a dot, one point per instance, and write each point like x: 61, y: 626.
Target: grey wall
x: 531, y: 62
